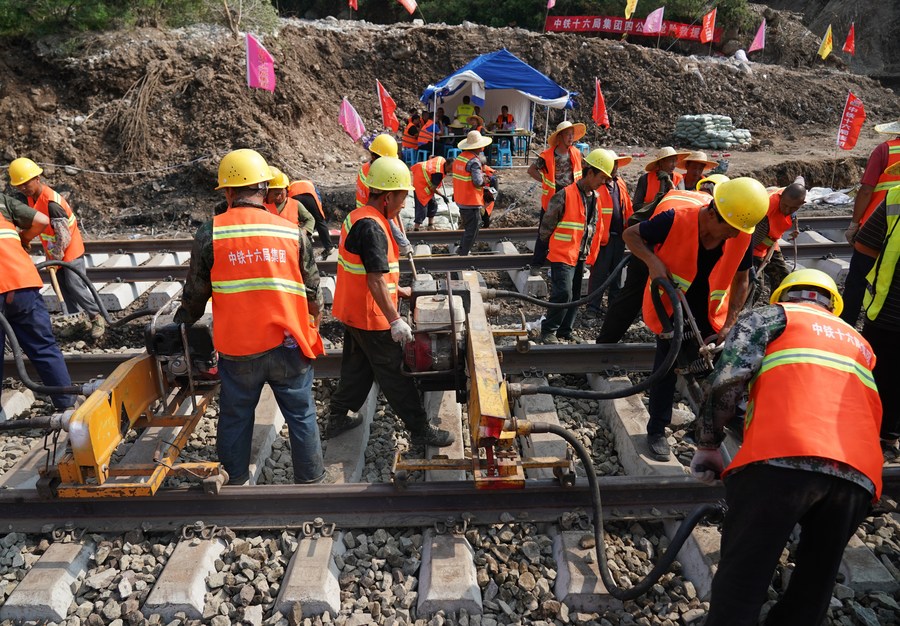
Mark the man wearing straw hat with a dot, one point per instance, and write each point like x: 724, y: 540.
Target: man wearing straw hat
x: 615, y: 209
x: 558, y: 166
x: 660, y: 178
x: 695, y: 165
x: 468, y: 186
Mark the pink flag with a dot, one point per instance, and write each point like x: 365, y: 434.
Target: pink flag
x: 409, y: 5
x: 759, y: 42
x: 351, y: 122
x: 260, y: 65
x: 653, y: 23
x: 551, y: 4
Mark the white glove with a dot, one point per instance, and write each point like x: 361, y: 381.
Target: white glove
x: 401, y: 332
x: 707, y: 465
x: 405, y: 250
x: 851, y: 231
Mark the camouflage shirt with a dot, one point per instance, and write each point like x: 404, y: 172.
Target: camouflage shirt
x: 737, y: 366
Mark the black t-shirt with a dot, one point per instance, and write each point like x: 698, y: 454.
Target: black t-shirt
x: 309, y: 203
x: 367, y: 239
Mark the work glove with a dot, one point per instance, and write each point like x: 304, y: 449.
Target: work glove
x: 405, y: 249
x: 26, y: 245
x: 707, y: 465
x: 851, y: 231
x: 401, y: 332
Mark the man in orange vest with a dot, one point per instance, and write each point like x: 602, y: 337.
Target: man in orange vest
x: 695, y: 164
x: 410, y: 139
x: 783, y: 204
x: 572, y: 231
x: 20, y: 299
x: 61, y: 239
x: 305, y: 192
x: 278, y: 203
x: 810, y: 453
x: 426, y: 135
x: 468, y: 187
x: 701, y: 244
x: 660, y: 177
x: 366, y: 300
x: 259, y: 271
x: 382, y: 145
x: 558, y: 166
x: 615, y: 209
x: 427, y: 176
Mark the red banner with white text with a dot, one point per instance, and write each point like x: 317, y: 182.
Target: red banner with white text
x: 851, y: 121
x: 619, y: 25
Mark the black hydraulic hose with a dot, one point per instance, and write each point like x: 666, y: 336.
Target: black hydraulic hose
x: 109, y: 319
x: 19, y: 357
x: 665, y: 560
x: 675, y: 327
x: 43, y: 423
x: 502, y: 293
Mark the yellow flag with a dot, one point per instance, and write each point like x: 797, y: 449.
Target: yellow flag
x: 827, y: 43
x: 630, y: 6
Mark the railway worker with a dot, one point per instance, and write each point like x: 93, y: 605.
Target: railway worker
x: 783, y: 204
x: 660, y: 177
x: 505, y: 121
x: 427, y: 176
x: 278, y: 203
x: 20, y: 299
x: 468, y: 187
x: 572, y: 231
x: 410, y: 140
x: 807, y: 458
x: 61, y: 239
x: 366, y: 301
x: 305, y: 192
x: 695, y: 165
x: 259, y: 270
x: 558, y: 166
x: 464, y: 111
x: 615, y: 209
x: 882, y: 174
x: 702, y: 244
x: 382, y: 145
x: 427, y: 133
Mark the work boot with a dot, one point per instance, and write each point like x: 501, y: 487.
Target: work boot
x: 432, y: 436
x: 659, y: 447
x: 339, y: 423
x: 98, y: 327
x: 549, y: 338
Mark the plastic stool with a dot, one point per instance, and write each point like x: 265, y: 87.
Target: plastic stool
x: 409, y: 156
x: 452, y: 153
x: 504, y: 156
x: 422, y: 155
x: 585, y: 148
x: 521, y: 145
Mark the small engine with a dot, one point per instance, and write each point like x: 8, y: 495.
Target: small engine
x: 165, y: 343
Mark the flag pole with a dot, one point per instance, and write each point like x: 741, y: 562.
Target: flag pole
x: 380, y: 102
x: 546, y: 17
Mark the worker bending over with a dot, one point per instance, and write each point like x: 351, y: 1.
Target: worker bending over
x: 259, y: 270
x: 783, y: 204
x: 810, y: 452
x: 427, y: 177
x: 305, y: 192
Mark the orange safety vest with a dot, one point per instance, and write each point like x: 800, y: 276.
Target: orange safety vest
x: 426, y: 134
x: 679, y: 253
x: 548, y: 174
x: 840, y: 421
x: 353, y: 302
x: 258, y: 293
x: 778, y: 224
x: 421, y: 178
x: 362, y: 185
x: 19, y: 271
x: 508, y: 120
x: 409, y: 140
x: 464, y: 192
x: 604, y: 201
x: 301, y: 187
x: 290, y: 210
x: 886, y: 182
x: 565, y: 242
x: 653, y: 185
x: 42, y: 204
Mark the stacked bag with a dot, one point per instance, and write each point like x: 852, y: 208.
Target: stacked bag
x: 709, y: 131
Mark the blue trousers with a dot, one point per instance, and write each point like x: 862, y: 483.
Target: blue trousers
x: 290, y: 375
x: 565, y: 286
x: 30, y: 322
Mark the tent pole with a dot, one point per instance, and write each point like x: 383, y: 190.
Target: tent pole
x: 434, y: 124
x: 547, y: 126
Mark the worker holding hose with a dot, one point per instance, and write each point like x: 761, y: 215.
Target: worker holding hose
x: 20, y: 299
x: 810, y: 454
x: 702, y: 244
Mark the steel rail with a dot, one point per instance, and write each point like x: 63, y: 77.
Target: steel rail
x: 564, y: 359
x: 824, y: 222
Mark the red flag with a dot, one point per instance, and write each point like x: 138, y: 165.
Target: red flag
x: 599, y: 114
x: 260, y: 65
x: 354, y: 5
x: 388, y: 106
x: 409, y: 5
x: 708, y: 27
x: 850, y: 44
x: 851, y: 121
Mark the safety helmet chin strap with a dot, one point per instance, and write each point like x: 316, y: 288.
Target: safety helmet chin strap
x: 808, y: 295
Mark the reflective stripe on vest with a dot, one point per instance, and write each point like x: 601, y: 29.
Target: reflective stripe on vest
x: 353, y: 301
x: 886, y: 182
x: 362, y: 185
x: 839, y: 421
x: 653, y: 185
x: 464, y: 191
x: 881, y: 276
x: 409, y: 140
x: 604, y: 201
x: 548, y: 174
x: 566, y: 241
x: 259, y: 296
x: 679, y: 254
x: 426, y: 134
x: 48, y: 236
x: 421, y: 178
x: 18, y: 269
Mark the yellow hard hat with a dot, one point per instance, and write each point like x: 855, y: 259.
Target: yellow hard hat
x: 389, y: 174
x: 798, y: 279
x: 603, y: 160
x: 22, y: 170
x: 384, y: 145
x: 279, y: 179
x: 742, y: 202
x: 243, y: 168
x: 715, y: 179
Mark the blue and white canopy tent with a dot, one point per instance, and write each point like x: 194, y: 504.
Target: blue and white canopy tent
x: 496, y: 79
